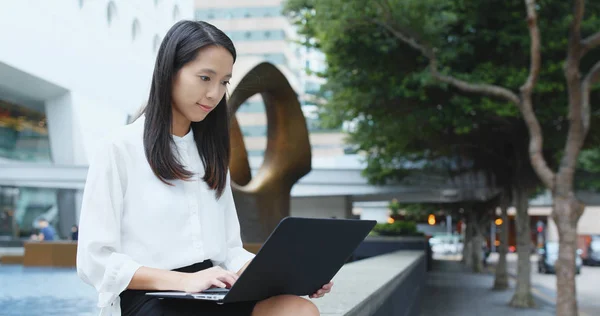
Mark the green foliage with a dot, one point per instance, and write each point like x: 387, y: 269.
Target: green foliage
x: 394, y: 207
x: 590, y: 160
x: 588, y: 173
x: 400, y: 115
x: 398, y: 228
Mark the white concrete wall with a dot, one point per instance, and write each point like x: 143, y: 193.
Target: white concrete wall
x: 59, y: 112
x: 588, y: 224
x: 379, y: 215
x: 64, y: 57
x: 71, y: 45
x: 320, y: 207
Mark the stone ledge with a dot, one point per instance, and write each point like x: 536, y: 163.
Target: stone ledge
x: 364, y: 287
x: 12, y: 259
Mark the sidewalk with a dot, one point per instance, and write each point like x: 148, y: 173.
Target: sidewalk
x: 452, y: 290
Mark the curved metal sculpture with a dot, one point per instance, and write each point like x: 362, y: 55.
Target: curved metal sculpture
x: 264, y: 200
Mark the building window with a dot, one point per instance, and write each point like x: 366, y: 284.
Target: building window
x: 252, y: 107
x: 156, y: 43
x: 248, y: 34
x: 23, y: 134
x: 156, y: 3
x: 238, y: 12
x: 176, y: 13
x: 136, y: 29
x: 254, y: 130
x: 21, y: 207
x: 111, y: 12
x: 81, y: 2
x: 267, y: 34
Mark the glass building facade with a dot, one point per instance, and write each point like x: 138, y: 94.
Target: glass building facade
x: 20, y: 207
x: 24, y: 138
x: 23, y: 134
x: 238, y: 13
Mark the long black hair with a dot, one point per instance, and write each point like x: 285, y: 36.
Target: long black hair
x: 179, y: 47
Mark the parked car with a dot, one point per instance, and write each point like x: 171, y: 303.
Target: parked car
x: 446, y: 244
x: 547, y: 256
x: 593, y: 254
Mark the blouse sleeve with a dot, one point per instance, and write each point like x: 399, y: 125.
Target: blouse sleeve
x: 236, y: 256
x: 99, y: 262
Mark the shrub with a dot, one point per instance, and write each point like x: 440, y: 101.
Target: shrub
x: 398, y: 228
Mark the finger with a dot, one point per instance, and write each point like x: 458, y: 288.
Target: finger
x: 328, y: 286
x: 228, y: 279
x: 218, y: 283
x: 229, y: 273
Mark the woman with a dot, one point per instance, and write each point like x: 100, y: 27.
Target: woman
x: 158, y: 212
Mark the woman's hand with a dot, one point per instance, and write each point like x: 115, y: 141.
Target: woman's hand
x: 324, y: 290
x: 205, y: 279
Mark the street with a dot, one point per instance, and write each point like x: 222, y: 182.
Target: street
x: 544, y: 285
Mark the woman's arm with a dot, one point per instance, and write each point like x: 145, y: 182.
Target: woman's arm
x: 163, y: 280
x: 100, y: 261
x: 237, y: 257
x: 152, y: 279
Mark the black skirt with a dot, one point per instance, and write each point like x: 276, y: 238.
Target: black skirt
x: 136, y: 303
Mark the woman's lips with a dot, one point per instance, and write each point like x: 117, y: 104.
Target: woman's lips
x: 206, y: 108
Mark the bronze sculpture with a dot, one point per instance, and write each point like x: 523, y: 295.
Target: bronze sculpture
x: 262, y: 201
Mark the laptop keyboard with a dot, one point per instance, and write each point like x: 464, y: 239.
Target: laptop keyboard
x: 216, y: 290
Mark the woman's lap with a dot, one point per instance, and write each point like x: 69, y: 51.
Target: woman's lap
x: 152, y: 306
x: 136, y: 303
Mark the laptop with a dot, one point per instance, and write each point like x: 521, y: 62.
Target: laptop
x: 299, y: 257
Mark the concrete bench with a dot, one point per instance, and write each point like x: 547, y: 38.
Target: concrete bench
x: 390, y: 284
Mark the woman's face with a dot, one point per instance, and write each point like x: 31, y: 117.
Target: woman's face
x: 201, y: 84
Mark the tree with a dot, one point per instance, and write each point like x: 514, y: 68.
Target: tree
x: 567, y: 209
x: 474, y: 49
x: 501, y: 273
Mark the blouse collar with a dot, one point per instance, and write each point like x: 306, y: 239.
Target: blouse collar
x: 186, y: 139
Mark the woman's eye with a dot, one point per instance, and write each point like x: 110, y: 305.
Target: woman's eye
x: 204, y: 78
x: 225, y: 83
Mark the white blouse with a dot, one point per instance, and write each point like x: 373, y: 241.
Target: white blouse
x: 129, y: 218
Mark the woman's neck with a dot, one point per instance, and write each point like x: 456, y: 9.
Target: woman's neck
x: 180, y: 125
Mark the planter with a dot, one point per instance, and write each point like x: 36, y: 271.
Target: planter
x: 378, y: 245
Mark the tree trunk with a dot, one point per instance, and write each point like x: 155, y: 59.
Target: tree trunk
x: 480, y: 223
x: 476, y: 253
x: 522, y: 297
x: 501, y: 280
x: 468, y: 242
x: 566, y: 213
